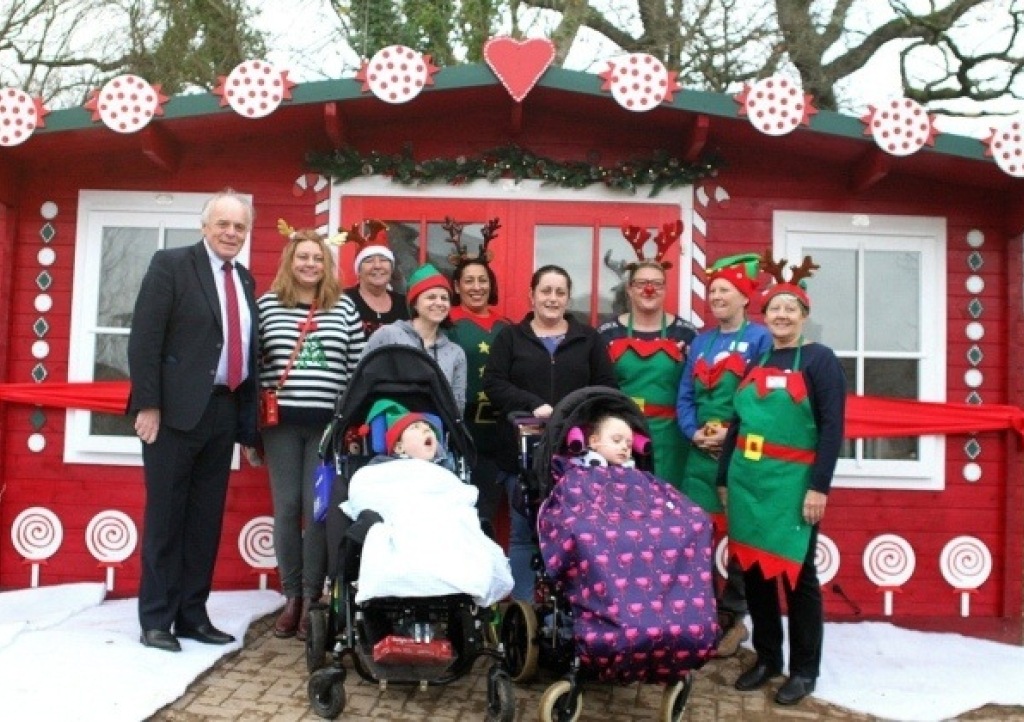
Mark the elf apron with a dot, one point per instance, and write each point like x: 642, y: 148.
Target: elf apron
x: 714, y: 384
x: 770, y: 470
x: 648, y: 370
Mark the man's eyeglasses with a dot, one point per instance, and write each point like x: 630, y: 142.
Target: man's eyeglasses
x: 650, y: 283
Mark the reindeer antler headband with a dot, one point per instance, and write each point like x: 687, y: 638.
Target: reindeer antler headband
x: 489, y: 231
x: 794, y: 285
x: 369, y: 242
x: 637, y: 236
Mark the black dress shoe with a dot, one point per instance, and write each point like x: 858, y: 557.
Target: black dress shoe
x: 794, y: 690
x: 207, y: 634
x: 159, y: 639
x: 756, y: 677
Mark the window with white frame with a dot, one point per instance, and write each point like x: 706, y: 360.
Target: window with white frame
x: 118, y: 233
x: 879, y: 301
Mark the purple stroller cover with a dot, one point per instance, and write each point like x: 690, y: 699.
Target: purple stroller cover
x: 633, y: 557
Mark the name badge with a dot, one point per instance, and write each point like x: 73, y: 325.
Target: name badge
x: 742, y: 346
x: 775, y: 382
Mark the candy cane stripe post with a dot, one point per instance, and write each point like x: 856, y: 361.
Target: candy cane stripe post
x: 889, y: 562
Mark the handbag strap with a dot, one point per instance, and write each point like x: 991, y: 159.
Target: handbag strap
x: 298, y: 347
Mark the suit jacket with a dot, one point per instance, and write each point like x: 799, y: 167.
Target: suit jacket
x: 176, y: 340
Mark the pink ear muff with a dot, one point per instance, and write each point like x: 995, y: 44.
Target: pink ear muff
x: 641, y: 444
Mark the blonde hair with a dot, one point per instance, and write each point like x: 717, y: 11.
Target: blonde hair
x: 328, y: 290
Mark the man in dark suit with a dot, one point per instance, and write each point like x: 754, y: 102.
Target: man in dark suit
x: 193, y: 393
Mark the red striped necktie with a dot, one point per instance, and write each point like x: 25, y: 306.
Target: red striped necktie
x: 234, y: 328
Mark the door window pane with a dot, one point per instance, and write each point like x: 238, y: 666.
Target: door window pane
x: 616, y: 254
x: 124, y: 257
x: 571, y: 248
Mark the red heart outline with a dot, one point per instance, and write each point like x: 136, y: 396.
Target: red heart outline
x: 519, y: 64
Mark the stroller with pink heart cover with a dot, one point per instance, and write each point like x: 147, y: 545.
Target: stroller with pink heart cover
x: 624, y: 588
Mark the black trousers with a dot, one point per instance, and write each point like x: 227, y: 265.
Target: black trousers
x: 806, y: 617
x: 186, y: 476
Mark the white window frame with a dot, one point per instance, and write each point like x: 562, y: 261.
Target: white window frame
x: 96, y: 210
x: 926, y: 235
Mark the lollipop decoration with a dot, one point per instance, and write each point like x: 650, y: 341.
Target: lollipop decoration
x: 776, y: 105
x: 111, y: 537
x: 254, y: 89
x: 37, y: 534
x: 966, y: 564
x: 889, y: 562
x: 20, y: 115
x: 397, y: 74
x: 256, y: 545
x: 126, y: 104
x: 639, y: 82
x: 826, y: 559
x: 900, y: 128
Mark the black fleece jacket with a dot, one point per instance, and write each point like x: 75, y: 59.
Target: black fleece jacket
x: 521, y: 375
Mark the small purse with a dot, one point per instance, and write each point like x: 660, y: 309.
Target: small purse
x: 268, y: 410
x: 323, y: 485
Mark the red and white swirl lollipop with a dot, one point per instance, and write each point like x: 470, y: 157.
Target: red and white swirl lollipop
x: 900, y: 128
x: 111, y: 537
x: 1006, y: 146
x: 776, y: 105
x: 254, y: 89
x: 889, y: 562
x: 966, y: 564
x: 126, y: 104
x: 20, y: 115
x: 36, y: 534
x: 639, y: 82
x: 826, y: 559
x: 397, y: 74
x: 256, y: 545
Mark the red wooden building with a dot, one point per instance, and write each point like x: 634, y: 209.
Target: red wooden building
x: 920, y: 291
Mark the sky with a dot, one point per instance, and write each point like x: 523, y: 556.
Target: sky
x: 874, y: 668
x: 301, y: 41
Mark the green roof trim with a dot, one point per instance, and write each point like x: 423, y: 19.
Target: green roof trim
x: 479, y: 75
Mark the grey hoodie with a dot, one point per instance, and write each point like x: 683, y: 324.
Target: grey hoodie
x: 448, y: 354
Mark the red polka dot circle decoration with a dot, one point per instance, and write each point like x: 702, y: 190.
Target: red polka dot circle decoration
x: 254, y: 89
x: 639, y: 82
x: 396, y: 74
x: 776, y: 105
x: 126, y: 103
x: 1006, y: 146
x: 900, y: 127
x: 20, y: 115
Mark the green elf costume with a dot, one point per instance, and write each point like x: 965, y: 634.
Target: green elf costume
x: 648, y: 364
x: 718, y: 360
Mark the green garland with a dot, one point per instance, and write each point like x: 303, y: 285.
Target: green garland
x: 512, y: 162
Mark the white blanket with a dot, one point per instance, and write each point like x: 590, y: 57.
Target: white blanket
x: 430, y: 542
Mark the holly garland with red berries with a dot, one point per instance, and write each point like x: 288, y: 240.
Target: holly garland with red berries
x: 512, y: 162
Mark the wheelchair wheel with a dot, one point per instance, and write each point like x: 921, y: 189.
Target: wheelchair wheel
x: 673, y: 700
x: 555, y: 704
x: 501, y: 701
x: 316, y: 641
x: 519, y: 637
x: 326, y: 692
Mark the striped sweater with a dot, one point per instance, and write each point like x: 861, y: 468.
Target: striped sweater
x: 324, y: 365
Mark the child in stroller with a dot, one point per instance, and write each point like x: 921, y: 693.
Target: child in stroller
x: 422, y: 535
x: 624, y: 576
x: 426, y: 635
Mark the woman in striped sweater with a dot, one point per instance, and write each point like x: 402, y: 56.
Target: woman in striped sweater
x: 311, y: 338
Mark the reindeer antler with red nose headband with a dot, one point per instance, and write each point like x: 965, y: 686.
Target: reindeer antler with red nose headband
x: 638, y: 236
x: 355, y: 233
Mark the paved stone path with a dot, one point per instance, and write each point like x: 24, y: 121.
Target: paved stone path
x: 266, y: 681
